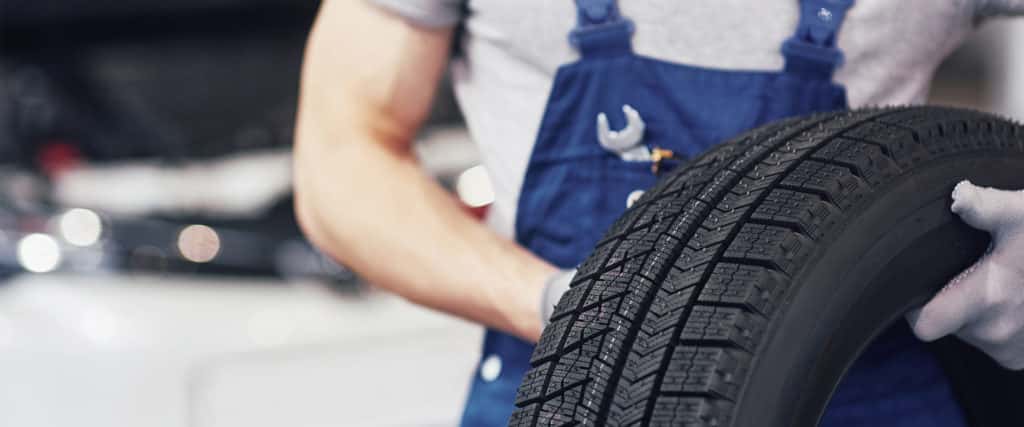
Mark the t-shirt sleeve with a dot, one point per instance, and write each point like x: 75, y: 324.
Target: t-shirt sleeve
x: 427, y: 13
x: 1000, y: 7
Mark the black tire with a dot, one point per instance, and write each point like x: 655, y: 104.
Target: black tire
x: 741, y: 287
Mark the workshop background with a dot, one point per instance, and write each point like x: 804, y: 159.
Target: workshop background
x: 151, y: 269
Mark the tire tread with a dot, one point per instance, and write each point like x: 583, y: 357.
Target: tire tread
x: 661, y: 323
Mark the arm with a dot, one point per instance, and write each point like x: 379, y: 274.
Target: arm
x: 367, y: 85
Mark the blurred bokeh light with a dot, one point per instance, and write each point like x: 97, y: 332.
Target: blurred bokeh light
x: 198, y: 243
x: 39, y: 253
x: 81, y: 227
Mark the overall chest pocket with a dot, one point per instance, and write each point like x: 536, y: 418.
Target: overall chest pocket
x: 582, y: 199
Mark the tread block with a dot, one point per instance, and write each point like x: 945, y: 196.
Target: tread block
x: 745, y: 193
x: 690, y: 268
x: 711, y: 371
x: 723, y: 216
x: 754, y: 287
x: 524, y: 416
x: 532, y: 386
x: 550, y: 342
x: 836, y: 183
x: 778, y: 247
x: 666, y: 303
x: 723, y: 324
x: 672, y: 411
x: 785, y: 155
x: 779, y: 162
x: 556, y: 411
x: 766, y: 143
x: 810, y: 138
x: 636, y: 244
x: 631, y: 413
x: 679, y: 279
x: 867, y: 160
x: 595, y: 263
x: 715, y: 230
x: 564, y: 374
x: 806, y: 212
x: 690, y: 259
x: 607, y: 288
x: 590, y: 324
x: 655, y: 326
x: 899, y: 142
x: 572, y: 300
x: 661, y: 210
x: 649, y: 360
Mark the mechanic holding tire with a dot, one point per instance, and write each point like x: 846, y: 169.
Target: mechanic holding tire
x: 645, y: 85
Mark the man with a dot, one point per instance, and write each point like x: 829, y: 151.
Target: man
x: 371, y: 70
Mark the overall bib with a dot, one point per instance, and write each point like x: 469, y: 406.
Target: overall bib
x: 582, y: 172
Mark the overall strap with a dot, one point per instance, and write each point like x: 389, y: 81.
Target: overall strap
x: 812, y: 51
x: 601, y: 29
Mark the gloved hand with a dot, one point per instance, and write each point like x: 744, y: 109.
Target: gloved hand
x: 984, y: 305
x: 556, y: 285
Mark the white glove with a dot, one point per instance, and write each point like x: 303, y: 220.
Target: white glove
x: 984, y: 305
x: 556, y: 285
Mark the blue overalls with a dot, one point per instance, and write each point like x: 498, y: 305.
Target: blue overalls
x: 608, y: 116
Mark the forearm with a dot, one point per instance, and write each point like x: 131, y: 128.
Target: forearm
x: 375, y: 210
x: 361, y: 196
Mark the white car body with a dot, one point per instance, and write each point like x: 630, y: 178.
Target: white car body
x: 132, y: 351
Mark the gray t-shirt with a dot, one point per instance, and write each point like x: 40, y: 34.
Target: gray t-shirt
x: 512, y: 49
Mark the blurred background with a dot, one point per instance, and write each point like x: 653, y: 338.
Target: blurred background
x: 151, y: 269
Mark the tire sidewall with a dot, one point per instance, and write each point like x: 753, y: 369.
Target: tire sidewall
x: 886, y: 258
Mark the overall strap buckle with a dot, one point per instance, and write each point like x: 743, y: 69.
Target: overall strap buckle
x: 812, y: 51
x: 601, y: 28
